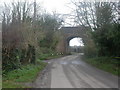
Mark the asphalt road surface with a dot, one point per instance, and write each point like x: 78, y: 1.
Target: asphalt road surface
x: 72, y: 72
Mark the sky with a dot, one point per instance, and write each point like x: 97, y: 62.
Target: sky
x: 59, y: 6
x: 50, y: 5
x: 56, y: 5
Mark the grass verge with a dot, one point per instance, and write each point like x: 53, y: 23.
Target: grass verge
x: 27, y: 73
x: 49, y: 56
x: 108, y: 64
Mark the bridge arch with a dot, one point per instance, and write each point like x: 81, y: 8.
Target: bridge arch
x: 69, y: 33
x: 76, y: 45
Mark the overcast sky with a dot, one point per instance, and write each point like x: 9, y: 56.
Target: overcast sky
x: 60, y: 6
x: 50, y: 5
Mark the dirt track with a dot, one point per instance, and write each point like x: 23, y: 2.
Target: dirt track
x: 72, y: 72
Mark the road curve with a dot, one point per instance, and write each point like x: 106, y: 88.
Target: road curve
x: 72, y: 72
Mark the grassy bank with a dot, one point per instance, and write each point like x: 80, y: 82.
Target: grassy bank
x: 108, y: 64
x: 27, y: 73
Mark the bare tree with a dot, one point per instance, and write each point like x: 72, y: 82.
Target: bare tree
x: 86, y: 13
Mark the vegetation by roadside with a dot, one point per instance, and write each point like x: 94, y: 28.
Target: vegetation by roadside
x: 0, y: 81
x: 28, y: 73
x: 50, y: 56
x: 104, y: 34
x: 26, y: 37
x: 108, y: 64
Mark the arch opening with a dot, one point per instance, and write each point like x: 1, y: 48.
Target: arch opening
x: 76, y: 45
x: 77, y: 41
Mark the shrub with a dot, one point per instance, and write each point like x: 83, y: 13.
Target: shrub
x: 12, y: 58
x: 90, y: 51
